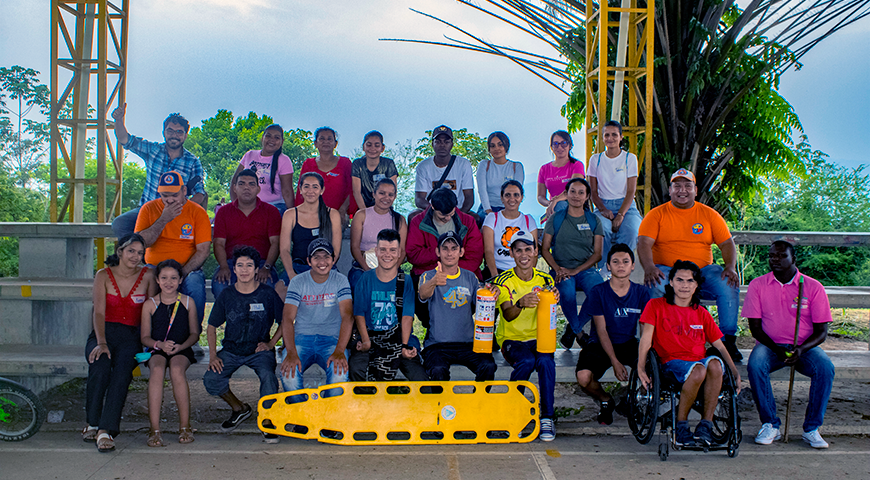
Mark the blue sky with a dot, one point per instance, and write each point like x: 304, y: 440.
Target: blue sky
x: 309, y: 64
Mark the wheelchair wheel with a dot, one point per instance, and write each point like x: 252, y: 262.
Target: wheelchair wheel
x: 725, y: 417
x: 663, y: 451
x: 644, y: 403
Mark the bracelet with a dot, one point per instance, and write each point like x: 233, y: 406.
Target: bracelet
x: 104, y: 344
x: 267, y: 266
x: 405, y: 346
x: 618, y: 214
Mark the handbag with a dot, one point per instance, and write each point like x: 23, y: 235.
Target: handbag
x: 143, y: 357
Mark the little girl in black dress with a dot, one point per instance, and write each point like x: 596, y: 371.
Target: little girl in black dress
x: 169, y: 328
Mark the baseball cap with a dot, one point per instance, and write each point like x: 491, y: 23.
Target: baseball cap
x: 320, y: 244
x: 522, y: 236
x: 451, y: 235
x: 684, y: 174
x: 170, y: 182
x: 442, y: 130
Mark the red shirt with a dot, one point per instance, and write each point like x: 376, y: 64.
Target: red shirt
x: 681, y: 333
x: 337, y: 186
x: 253, y: 229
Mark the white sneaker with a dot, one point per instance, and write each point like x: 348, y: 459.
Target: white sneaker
x: 814, y: 439
x: 548, y: 430
x: 768, y: 434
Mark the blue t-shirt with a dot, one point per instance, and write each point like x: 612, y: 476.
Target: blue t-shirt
x: 376, y: 301
x: 621, y: 314
x: 451, y: 308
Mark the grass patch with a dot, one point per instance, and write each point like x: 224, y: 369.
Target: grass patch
x: 563, y: 412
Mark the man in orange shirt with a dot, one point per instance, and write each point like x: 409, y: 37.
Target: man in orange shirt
x: 683, y: 229
x: 176, y: 228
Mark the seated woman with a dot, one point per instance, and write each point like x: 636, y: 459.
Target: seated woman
x: 274, y: 170
x: 370, y: 169
x: 172, y: 317
x: 678, y: 327
x: 308, y: 220
x: 613, y: 178
x: 499, y: 226
x: 366, y: 226
x: 574, y: 235
x: 492, y: 173
x: 336, y: 172
x: 120, y: 291
x: 554, y: 176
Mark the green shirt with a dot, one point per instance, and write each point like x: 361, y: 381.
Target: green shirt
x: 574, y: 243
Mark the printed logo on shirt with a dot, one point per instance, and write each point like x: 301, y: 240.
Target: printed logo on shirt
x: 326, y: 299
x: 698, y: 228
x: 697, y: 327
x: 583, y: 226
x: 624, y: 312
x: 257, y: 307
x: 331, y: 174
x: 383, y: 311
x: 187, y: 231
x: 457, y: 296
x: 451, y: 184
x: 506, y: 236
x: 804, y: 301
x: 315, y: 231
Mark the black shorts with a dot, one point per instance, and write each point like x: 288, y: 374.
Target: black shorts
x: 594, y: 359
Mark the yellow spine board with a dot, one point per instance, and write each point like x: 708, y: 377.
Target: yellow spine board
x: 412, y: 413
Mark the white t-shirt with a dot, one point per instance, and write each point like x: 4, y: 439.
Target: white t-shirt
x: 612, y: 173
x: 502, y: 231
x: 460, y: 177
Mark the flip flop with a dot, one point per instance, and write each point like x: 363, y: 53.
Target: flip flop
x: 185, y: 435
x: 155, y: 439
x: 105, y: 443
x: 89, y: 434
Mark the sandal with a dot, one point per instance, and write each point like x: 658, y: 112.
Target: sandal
x: 89, y: 434
x: 105, y: 443
x: 154, y: 439
x: 185, y: 435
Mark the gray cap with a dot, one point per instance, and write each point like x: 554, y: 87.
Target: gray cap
x: 320, y: 244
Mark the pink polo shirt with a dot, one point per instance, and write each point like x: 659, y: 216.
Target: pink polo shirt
x: 776, y: 305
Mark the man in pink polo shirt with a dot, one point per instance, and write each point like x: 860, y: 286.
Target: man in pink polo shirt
x: 246, y: 221
x: 772, y: 322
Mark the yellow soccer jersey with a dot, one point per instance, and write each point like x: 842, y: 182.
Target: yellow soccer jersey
x: 512, y: 288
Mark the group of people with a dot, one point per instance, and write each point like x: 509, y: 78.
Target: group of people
x: 359, y: 327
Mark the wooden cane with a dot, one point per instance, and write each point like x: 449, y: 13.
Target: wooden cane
x: 797, y: 324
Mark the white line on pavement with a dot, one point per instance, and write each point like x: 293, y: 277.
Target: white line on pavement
x: 543, y: 466
x: 358, y: 452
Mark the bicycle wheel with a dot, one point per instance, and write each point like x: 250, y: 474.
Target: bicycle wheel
x: 21, y: 412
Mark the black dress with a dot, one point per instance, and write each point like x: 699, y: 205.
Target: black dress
x: 180, y: 327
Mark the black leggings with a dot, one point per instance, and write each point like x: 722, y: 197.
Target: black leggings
x: 109, y: 379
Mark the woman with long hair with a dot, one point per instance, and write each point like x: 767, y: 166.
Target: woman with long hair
x: 492, y: 173
x: 613, y: 178
x: 309, y: 219
x: 553, y: 176
x: 366, y: 226
x: 120, y: 291
x: 499, y: 227
x: 170, y: 316
x: 274, y: 170
x: 336, y: 172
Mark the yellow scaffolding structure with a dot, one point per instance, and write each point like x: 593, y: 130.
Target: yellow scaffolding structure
x: 636, y: 36
x: 73, y: 128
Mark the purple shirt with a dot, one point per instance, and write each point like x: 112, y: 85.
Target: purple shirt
x: 776, y: 305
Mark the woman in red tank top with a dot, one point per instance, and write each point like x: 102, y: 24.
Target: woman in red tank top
x: 120, y: 291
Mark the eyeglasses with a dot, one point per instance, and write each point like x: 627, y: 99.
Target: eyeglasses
x: 562, y: 144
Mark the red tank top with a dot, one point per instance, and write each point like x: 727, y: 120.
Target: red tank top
x: 125, y: 310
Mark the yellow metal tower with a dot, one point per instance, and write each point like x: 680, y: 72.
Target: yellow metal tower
x: 619, y: 59
x: 74, y: 60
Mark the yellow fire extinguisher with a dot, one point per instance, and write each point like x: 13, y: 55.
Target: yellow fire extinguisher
x: 546, y: 321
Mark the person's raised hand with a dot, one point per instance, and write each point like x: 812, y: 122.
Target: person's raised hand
x: 440, y: 276
x: 119, y: 113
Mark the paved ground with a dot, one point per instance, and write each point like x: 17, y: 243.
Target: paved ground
x: 52, y: 455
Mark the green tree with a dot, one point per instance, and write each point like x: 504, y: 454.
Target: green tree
x: 23, y: 141
x: 17, y: 204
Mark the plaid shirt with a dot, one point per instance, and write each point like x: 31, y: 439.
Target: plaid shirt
x: 157, y: 162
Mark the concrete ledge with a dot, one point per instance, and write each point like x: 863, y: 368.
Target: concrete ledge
x: 56, y: 230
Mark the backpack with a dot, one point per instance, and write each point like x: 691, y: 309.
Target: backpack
x: 526, y: 216
x: 559, y: 217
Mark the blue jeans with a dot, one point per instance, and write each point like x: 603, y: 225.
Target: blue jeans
x: 814, y: 363
x: 312, y: 349
x: 714, y: 288
x: 627, y: 232
x: 354, y: 274
x: 125, y: 223
x: 525, y: 359
x: 298, y: 268
x: 680, y: 370
x: 281, y: 206
x: 193, y: 286
x: 584, y: 280
x: 262, y: 363
x: 218, y: 287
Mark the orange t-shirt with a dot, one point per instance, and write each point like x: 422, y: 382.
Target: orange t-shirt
x: 179, y: 238
x: 684, y: 234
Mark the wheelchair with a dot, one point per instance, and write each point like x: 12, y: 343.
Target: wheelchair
x: 659, y: 403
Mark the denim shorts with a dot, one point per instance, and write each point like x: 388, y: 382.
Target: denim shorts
x: 679, y: 370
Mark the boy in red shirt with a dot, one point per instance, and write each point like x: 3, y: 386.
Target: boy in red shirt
x: 679, y: 329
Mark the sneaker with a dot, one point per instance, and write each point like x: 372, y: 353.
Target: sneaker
x: 768, y: 434
x: 605, y: 415
x: 730, y: 342
x: 548, y: 430
x: 568, y: 337
x: 814, y: 439
x: 270, y: 438
x: 683, y: 434
x: 236, y: 419
x: 704, y: 433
